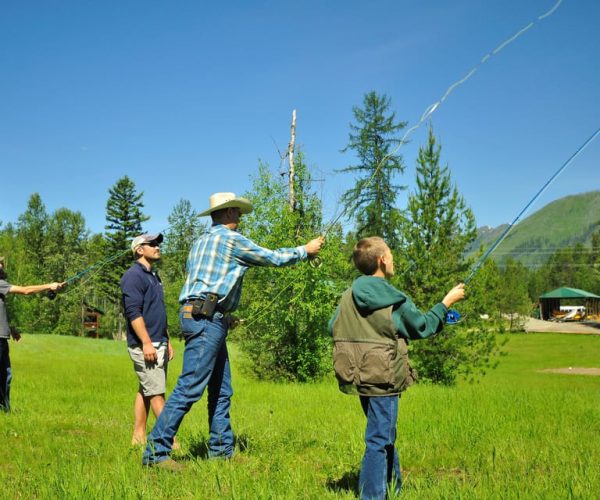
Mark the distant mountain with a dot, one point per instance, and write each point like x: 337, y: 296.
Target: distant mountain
x: 564, y: 222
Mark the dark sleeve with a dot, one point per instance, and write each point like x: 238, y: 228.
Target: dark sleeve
x: 414, y: 324
x: 133, y: 289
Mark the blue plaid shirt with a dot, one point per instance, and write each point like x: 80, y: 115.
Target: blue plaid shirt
x: 219, y: 259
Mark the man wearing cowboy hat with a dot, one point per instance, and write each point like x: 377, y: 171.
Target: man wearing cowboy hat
x: 216, y: 266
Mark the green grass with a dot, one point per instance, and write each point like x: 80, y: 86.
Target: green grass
x: 517, y: 433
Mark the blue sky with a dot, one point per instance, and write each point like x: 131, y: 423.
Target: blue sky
x: 186, y: 98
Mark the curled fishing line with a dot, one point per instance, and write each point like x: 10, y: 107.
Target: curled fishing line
x: 316, y: 262
x: 435, y: 106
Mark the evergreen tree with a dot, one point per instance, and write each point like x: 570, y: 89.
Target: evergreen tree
x: 437, y: 230
x: 595, y: 263
x: 372, y: 200
x: 124, y: 219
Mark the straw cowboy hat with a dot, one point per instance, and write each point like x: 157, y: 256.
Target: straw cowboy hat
x: 219, y: 201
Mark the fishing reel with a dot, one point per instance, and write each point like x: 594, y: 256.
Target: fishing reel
x: 453, y: 317
x: 315, y: 262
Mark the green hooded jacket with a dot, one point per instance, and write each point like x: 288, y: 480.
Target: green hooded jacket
x: 370, y: 330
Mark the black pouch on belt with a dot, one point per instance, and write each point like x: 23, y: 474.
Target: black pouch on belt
x: 205, y: 307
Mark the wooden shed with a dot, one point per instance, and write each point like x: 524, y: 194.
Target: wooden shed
x: 551, y: 301
x: 90, y: 320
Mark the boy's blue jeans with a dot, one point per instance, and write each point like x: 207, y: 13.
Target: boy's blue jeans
x: 380, y: 464
x: 205, y: 364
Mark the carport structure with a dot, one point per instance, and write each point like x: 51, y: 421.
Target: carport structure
x: 551, y: 301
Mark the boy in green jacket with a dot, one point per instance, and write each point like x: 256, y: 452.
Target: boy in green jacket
x: 370, y: 330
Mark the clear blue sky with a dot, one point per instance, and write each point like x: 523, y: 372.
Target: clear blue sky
x: 185, y: 97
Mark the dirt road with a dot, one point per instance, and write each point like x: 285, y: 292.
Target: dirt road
x: 536, y: 325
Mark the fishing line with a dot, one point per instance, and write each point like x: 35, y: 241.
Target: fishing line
x: 426, y: 114
x: 433, y: 107
x: 317, y: 261
x: 488, y: 253
x: 499, y: 240
x: 94, y: 267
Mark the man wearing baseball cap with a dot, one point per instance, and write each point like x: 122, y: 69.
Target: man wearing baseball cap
x: 147, y: 337
x: 216, y: 266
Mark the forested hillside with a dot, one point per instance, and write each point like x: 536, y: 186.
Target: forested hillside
x: 560, y: 224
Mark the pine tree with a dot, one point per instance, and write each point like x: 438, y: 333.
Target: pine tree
x: 124, y: 219
x: 372, y: 200
x: 437, y: 230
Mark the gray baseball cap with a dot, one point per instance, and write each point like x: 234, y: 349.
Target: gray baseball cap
x: 145, y: 238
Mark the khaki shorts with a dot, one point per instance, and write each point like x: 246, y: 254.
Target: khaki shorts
x: 152, y: 376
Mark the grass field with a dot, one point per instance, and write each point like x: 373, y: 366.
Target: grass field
x: 518, y: 433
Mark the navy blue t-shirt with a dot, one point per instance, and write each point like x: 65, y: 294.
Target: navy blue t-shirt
x: 143, y: 296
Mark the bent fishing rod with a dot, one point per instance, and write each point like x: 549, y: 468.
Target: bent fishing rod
x: 94, y: 267
x: 453, y: 315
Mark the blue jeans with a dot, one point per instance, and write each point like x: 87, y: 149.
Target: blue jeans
x: 380, y: 464
x: 205, y: 363
x: 5, y: 376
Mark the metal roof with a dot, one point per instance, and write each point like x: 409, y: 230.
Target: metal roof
x: 569, y: 293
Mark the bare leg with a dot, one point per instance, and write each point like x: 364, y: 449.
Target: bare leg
x: 141, y: 407
x: 156, y: 403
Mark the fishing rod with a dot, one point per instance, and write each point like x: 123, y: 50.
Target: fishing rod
x: 96, y: 266
x: 453, y: 316
x: 317, y: 261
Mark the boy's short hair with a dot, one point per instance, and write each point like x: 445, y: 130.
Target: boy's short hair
x: 367, y: 252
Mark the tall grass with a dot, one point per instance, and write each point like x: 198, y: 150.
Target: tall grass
x: 518, y: 433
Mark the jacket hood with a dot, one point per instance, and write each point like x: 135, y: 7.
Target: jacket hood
x: 371, y: 293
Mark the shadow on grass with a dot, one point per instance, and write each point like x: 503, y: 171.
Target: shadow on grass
x: 348, y: 482
x: 199, y: 446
